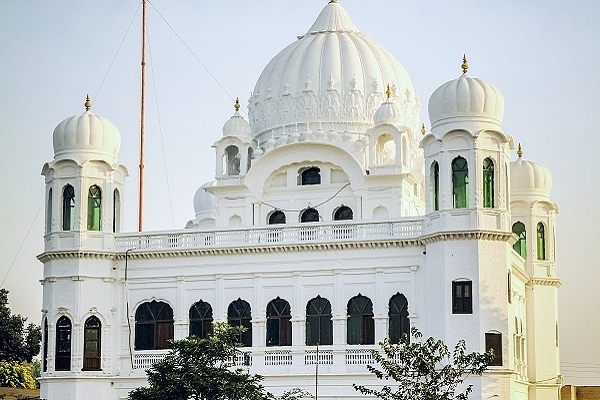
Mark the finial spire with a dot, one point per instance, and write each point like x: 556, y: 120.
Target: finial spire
x: 332, y: 1
x: 520, y: 151
x: 388, y: 92
x: 465, y: 64
x: 237, y: 104
x: 88, y: 103
x: 423, y: 130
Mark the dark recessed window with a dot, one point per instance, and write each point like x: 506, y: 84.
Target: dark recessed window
x: 398, y: 318
x: 311, y: 176
x: 92, y: 344
x: 201, y: 319
x: 62, y: 361
x: 462, y: 297
x: 240, y: 314
x: 541, y: 242
x: 319, y: 326
x: 435, y: 182
x: 277, y: 217
x: 493, y: 341
x: 309, y: 215
x: 153, y: 326
x: 279, y: 323
x: 68, y: 208
x: 361, y: 327
x: 94, y: 208
x: 343, y: 213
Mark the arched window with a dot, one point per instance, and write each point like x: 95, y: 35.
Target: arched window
x: 250, y: 156
x: 277, y: 217
x: 309, y: 215
x: 45, y: 350
x: 520, y: 245
x: 116, y: 211
x: 153, y: 326
x: 310, y: 176
x: 240, y: 314
x: 343, y: 213
x: 398, y: 318
x: 435, y: 185
x: 68, y: 208
x: 319, y: 326
x: 460, y: 183
x: 385, y: 150
x: 91, y: 344
x: 279, y: 323
x: 94, y: 208
x: 462, y: 297
x: 361, y: 327
x: 541, y: 242
x: 49, y: 212
x: 488, y: 183
x: 493, y: 341
x: 232, y: 160
x: 62, y: 360
x: 201, y: 319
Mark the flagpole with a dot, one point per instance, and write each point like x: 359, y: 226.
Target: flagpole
x: 142, y: 119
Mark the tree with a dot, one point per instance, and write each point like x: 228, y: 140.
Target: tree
x: 200, y: 369
x: 17, y: 342
x: 16, y: 375
x: 425, y: 370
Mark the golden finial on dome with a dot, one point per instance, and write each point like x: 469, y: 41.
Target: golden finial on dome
x: 423, y: 130
x: 88, y: 103
x: 520, y: 151
x: 237, y: 104
x: 332, y: 1
x: 388, y: 92
x: 465, y: 64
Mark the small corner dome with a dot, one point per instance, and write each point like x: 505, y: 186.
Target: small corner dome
x: 86, y: 136
x: 466, y: 97
x: 237, y: 125
x: 204, y: 201
x: 529, y: 178
x: 387, y: 112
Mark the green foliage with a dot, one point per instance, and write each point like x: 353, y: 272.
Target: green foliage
x: 15, y: 375
x: 200, y: 369
x: 425, y: 370
x: 17, y: 342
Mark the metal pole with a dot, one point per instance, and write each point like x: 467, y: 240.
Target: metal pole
x: 142, y: 119
x: 317, y: 370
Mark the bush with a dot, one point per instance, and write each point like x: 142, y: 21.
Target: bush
x: 16, y: 375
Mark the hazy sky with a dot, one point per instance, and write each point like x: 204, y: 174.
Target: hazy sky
x: 543, y: 55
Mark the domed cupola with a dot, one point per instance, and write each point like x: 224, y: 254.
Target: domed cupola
x: 205, y: 208
x: 388, y: 111
x: 332, y: 78
x: 237, y: 125
x: 466, y: 99
x: 529, y: 179
x: 86, y: 136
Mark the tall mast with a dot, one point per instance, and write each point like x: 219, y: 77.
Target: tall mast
x: 142, y: 118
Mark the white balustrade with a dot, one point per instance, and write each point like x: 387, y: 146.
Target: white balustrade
x: 323, y: 357
x: 145, y: 359
x: 359, y: 357
x: 406, y: 228
x: 278, y: 357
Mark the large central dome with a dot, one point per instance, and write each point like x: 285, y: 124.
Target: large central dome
x: 332, y: 78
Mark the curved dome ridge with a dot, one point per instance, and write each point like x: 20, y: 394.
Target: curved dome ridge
x: 86, y: 136
x: 333, y: 76
x: 333, y: 18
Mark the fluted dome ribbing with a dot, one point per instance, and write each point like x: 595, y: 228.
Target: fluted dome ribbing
x: 387, y: 112
x: 86, y: 136
x: 332, y: 75
x: 237, y: 126
x: 466, y: 97
x: 528, y: 178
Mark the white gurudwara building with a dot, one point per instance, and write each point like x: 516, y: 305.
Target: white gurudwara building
x: 334, y: 219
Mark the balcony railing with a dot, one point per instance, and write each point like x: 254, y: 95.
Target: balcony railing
x: 409, y: 228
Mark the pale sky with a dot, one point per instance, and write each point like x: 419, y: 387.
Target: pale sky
x: 543, y: 55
